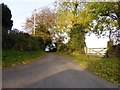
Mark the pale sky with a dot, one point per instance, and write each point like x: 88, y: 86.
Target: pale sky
x: 22, y: 9
x: 92, y: 41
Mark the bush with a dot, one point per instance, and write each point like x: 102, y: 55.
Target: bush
x: 8, y: 42
x: 113, y: 51
x: 77, y: 39
x: 41, y: 42
x: 63, y: 47
x: 22, y: 42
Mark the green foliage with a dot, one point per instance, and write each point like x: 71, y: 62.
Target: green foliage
x: 102, y: 8
x: 29, y: 44
x: 77, y: 41
x: 13, y: 57
x: 113, y: 51
x: 105, y: 15
x: 69, y: 21
x: 41, y: 42
x: 63, y: 48
x: 7, y: 23
x: 22, y: 42
x: 109, y: 44
x: 108, y: 68
x: 62, y: 25
x: 8, y: 42
x: 44, y: 21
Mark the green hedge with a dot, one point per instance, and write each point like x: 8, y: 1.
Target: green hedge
x: 77, y: 39
x: 22, y: 42
x: 113, y: 51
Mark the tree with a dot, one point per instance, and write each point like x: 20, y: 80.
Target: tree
x: 45, y: 20
x: 105, y: 22
x: 105, y: 18
x: 68, y: 21
x: 77, y: 41
x: 7, y: 23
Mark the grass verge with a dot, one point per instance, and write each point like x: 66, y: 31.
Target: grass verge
x: 11, y: 57
x: 107, y: 68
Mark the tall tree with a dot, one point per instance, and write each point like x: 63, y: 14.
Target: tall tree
x: 105, y: 18
x: 7, y: 23
x: 44, y: 21
x: 68, y: 21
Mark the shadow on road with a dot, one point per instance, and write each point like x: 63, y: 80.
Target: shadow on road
x: 72, y: 79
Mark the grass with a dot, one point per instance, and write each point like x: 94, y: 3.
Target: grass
x: 107, y: 68
x: 11, y: 57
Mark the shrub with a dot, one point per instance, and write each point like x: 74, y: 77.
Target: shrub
x: 114, y: 51
x: 22, y: 42
x: 8, y: 42
x: 41, y: 42
x: 77, y: 39
x: 63, y: 47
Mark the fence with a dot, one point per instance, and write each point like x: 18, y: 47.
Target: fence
x: 96, y: 51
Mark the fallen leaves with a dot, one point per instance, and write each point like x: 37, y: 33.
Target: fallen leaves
x: 107, y: 68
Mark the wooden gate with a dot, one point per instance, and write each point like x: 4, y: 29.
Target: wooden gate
x: 96, y: 51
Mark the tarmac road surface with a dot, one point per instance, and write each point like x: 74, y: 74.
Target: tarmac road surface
x: 52, y: 71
